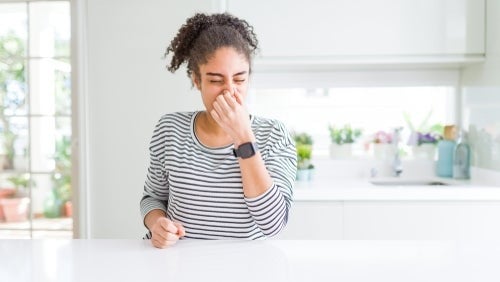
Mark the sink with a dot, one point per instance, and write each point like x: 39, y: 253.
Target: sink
x: 407, y: 182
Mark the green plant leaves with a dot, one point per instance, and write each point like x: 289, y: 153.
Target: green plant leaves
x: 344, y: 135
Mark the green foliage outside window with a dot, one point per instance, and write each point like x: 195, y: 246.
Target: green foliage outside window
x: 62, y: 174
x: 12, y: 97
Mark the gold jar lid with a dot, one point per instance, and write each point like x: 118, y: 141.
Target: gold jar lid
x: 449, y: 132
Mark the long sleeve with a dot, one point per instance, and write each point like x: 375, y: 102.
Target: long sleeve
x: 270, y: 210
x: 155, y: 193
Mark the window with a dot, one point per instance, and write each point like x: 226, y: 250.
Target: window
x: 35, y: 120
x: 381, y: 106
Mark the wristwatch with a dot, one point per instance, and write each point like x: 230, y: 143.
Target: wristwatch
x: 246, y: 150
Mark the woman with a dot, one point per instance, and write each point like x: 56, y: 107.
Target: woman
x: 219, y: 173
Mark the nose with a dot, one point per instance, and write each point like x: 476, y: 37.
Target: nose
x: 229, y: 86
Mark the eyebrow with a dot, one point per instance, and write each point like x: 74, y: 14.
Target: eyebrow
x: 220, y: 75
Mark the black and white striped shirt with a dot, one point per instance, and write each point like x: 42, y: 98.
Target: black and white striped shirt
x: 201, y: 187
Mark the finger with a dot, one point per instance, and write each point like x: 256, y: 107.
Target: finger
x: 218, y: 108
x: 160, y: 234
x: 167, y: 225
x: 230, y: 100
x: 171, y: 228
x: 166, y: 240
x: 181, y: 231
x: 163, y: 244
x: 171, y: 237
x: 159, y: 231
x: 238, y: 97
x: 159, y: 244
x: 221, y: 100
x: 163, y: 221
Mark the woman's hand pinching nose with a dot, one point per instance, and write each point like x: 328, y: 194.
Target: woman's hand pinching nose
x: 237, y: 96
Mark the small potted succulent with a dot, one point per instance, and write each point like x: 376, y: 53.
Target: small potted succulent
x: 342, y: 139
x: 303, y: 145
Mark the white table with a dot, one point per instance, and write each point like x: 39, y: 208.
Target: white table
x: 270, y: 260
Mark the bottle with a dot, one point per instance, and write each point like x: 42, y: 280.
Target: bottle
x: 461, y: 157
x: 446, y: 149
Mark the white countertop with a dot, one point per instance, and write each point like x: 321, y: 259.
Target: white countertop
x: 363, y: 190
x: 270, y: 260
x: 349, y: 180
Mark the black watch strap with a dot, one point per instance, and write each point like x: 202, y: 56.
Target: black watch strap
x: 246, y: 150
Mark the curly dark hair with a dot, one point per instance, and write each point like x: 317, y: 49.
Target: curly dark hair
x: 203, y: 34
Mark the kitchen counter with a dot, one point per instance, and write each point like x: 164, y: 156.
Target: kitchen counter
x: 363, y: 190
x: 350, y: 180
x: 267, y: 260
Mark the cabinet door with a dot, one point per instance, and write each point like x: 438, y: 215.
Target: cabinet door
x: 421, y: 220
x: 296, y: 28
x: 314, y: 220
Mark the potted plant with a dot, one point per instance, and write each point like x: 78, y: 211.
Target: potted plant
x: 5, y: 192
x: 59, y: 201
x: 425, y: 144
x: 303, y: 145
x: 424, y: 138
x: 15, y: 207
x: 342, y: 139
x: 381, y: 143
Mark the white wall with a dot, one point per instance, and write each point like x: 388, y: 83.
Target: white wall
x: 128, y: 89
x: 481, y: 101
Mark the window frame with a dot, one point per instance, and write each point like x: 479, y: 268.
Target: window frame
x: 29, y: 115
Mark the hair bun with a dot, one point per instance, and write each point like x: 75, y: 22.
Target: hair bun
x: 183, y: 42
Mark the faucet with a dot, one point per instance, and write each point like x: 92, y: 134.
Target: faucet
x: 397, y: 167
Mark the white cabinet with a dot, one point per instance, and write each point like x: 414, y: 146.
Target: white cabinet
x: 421, y: 220
x: 393, y: 220
x: 325, y: 28
x: 314, y: 220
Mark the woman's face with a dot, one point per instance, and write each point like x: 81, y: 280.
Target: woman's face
x: 225, y: 70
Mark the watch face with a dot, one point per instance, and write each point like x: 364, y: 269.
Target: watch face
x: 246, y: 150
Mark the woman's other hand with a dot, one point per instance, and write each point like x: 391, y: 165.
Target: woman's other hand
x: 166, y: 233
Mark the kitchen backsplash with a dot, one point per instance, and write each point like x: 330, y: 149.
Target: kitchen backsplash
x: 481, y: 113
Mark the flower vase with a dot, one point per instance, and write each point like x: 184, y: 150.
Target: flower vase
x: 304, y: 174
x: 383, y: 151
x: 341, y: 152
x: 425, y: 151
